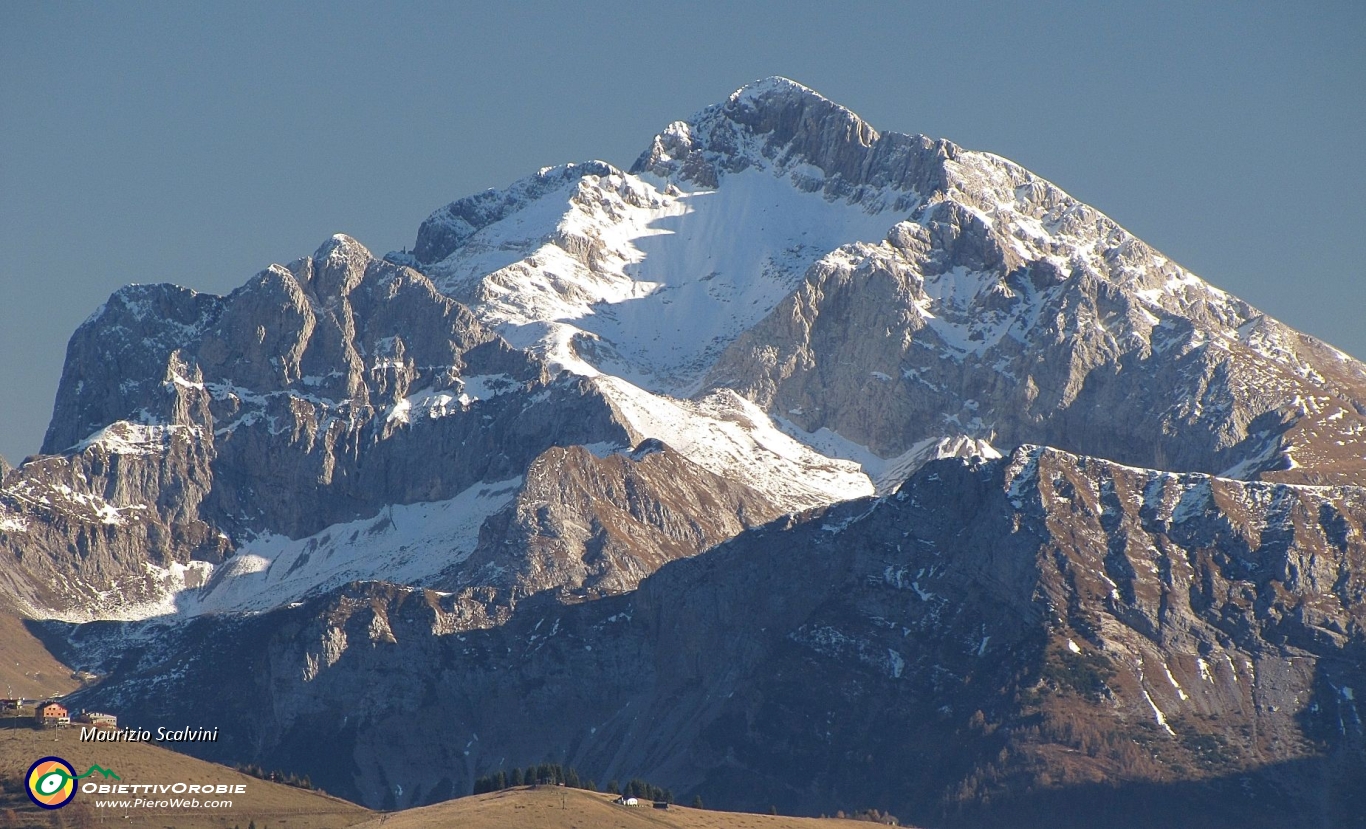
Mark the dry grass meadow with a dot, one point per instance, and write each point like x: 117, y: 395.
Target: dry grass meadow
x: 275, y: 806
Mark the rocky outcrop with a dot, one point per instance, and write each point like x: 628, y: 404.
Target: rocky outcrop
x: 777, y: 122
x: 994, y: 630
x: 588, y: 525
x: 451, y: 227
x: 315, y: 394
x: 960, y: 333
x: 122, y: 515
x: 340, y: 330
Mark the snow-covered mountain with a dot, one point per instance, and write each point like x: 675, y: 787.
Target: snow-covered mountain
x: 783, y: 298
x: 941, y: 446
x: 891, y: 289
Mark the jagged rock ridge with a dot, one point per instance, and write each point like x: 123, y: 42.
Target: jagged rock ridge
x: 315, y: 396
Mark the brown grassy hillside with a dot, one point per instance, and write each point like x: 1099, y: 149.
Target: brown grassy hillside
x: 554, y: 807
x: 26, y: 667
x: 274, y: 806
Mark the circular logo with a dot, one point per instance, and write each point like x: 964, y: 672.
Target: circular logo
x: 51, y: 782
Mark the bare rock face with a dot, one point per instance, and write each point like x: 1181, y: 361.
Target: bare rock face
x: 993, y: 633
x: 121, y: 514
x: 1000, y: 308
x: 781, y: 122
x: 312, y: 395
x: 346, y: 333
x: 590, y: 525
x: 315, y: 396
x: 946, y: 328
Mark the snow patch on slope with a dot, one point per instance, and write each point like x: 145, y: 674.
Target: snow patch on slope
x: 889, y: 473
x: 407, y: 544
x: 124, y: 437
x: 431, y: 404
x: 152, y: 594
x: 730, y: 436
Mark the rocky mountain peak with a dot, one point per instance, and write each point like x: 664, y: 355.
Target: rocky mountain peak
x: 338, y: 266
x: 778, y: 123
x: 772, y: 85
x: 791, y: 112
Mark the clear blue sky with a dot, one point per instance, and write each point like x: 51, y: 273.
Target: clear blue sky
x: 198, y: 142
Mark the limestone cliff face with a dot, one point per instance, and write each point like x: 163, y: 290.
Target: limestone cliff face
x: 316, y: 396
x: 991, y: 632
x: 313, y: 395
x: 589, y: 525
x: 1032, y: 354
x: 780, y: 122
x: 122, y: 517
x: 1001, y: 308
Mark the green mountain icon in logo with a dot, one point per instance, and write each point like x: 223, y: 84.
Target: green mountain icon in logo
x: 96, y: 768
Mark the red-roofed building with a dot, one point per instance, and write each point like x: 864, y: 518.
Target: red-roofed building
x: 51, y: 713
